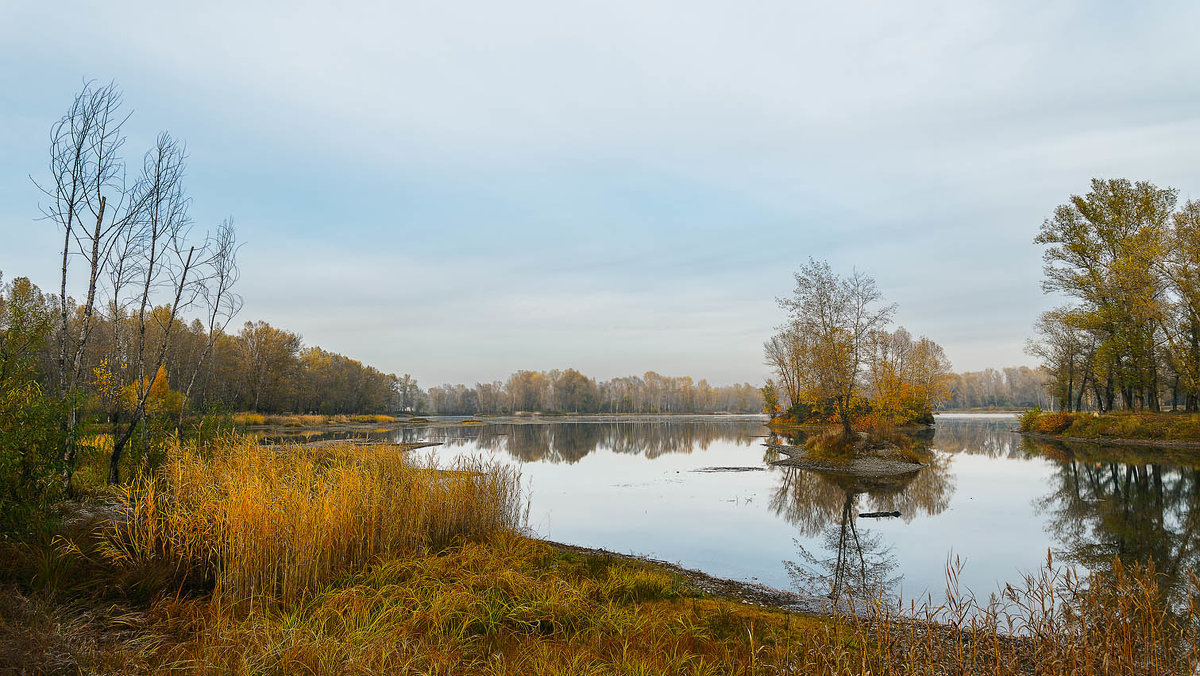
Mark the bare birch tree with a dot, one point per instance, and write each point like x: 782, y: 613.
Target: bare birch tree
x: 165, y: 262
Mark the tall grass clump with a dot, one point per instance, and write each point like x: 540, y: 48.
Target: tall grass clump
x: 279, y: 522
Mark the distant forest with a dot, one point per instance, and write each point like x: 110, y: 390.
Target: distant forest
x: 268, y: 369
x: 1016, y: 387
x: 570, y: 391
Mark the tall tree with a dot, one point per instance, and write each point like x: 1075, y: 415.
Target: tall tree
x: 91, y: 202
x: 1103, y: 248
x: 268, y: 359
x: 833, y: 319
x: 1182, y: 326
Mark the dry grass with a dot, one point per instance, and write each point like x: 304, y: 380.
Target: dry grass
x: 505, y: 605
x: 1055, y: 623
x: 280, y: 522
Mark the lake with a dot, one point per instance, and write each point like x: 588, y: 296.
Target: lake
x: 699, y: 491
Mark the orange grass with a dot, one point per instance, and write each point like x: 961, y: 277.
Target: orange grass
x: 280, y: 522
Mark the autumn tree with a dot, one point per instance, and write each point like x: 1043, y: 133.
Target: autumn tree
x: 906, y: 378
x: 527, y: 391
x: 574, y: 392
x: 770, y: 397
x: 831, y: 322
x: 1067, y: 351
x: 1104, y: 249
x: 1182, y: 324
x: 268, y: 358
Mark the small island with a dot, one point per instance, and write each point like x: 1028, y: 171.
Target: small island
x: 846, y: 389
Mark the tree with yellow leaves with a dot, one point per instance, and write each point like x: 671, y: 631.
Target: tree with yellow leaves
x: 828, y: 336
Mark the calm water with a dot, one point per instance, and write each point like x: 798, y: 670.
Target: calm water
x: 665, y: 488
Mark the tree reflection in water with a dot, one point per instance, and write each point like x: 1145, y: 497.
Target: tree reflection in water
x: 854, y: 562
x: 1110, y: 502
x: 570, y: 442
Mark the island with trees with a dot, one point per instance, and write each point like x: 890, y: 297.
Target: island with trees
x: 838, y: 366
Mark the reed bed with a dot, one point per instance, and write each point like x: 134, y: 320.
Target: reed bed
x: 280, y: 522
x: 1056, y: 622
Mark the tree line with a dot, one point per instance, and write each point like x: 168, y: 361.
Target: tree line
x: 1127, y: 255
x: 569, y: 391
x: 1015, y: 387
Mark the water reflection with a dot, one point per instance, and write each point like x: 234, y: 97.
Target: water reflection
x: 563, y: 441
x: 1108, y: 502
x: 570, y: 442
x: 989, y: 435
x: 855, y: 561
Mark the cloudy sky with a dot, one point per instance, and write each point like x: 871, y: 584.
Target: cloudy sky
x: 459, y: 190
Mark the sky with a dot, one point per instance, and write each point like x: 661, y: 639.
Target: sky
x: 459, y: 190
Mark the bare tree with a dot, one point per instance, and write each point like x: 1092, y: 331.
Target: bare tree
x: 90, y: 200
x: 216, y: 289
x: 165, y: 261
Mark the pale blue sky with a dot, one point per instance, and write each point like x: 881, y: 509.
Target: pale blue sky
x: 459, y: 190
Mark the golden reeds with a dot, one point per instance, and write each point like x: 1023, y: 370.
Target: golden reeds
x: 279, y: 522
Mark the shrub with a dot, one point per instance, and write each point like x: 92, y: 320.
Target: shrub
x: 31, y: 438
x: 1054, y: 423
x: 1029, y: 419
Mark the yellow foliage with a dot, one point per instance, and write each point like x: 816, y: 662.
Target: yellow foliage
x: 160, y: 398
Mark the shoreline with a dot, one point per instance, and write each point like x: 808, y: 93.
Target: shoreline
x: 1176, y: 444
x: 751, y: 593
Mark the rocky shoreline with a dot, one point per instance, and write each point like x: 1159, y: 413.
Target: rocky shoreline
x: 869, y: 466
